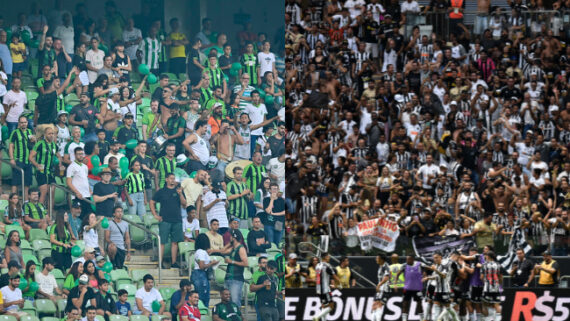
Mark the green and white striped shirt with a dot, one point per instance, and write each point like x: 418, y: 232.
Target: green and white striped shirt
x: 151, y: 49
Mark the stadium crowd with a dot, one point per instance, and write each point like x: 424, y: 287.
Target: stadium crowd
x: 442, y: 127
x: 139, y: 122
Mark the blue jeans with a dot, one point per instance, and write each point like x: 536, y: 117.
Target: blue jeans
x: 222, y: 166
x: 91, y: 137
x: 235, y: 288
x: 11, y: 126
x: 273, y: 235
x: 291, y: 205
x: 138, y: 207
x: 253, y: 142
x: 202, y: 285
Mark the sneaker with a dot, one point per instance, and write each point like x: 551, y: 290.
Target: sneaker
x: 175, y: 265
x: 164, y: 266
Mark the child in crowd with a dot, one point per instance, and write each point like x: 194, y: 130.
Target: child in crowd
x: 123, y: 307
x: 18, y: 53
x: 191, y: 226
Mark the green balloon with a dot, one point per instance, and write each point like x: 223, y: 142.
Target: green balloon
x: 124, y: 172
x: 262, y: 93
x: 124, y: 163
x: 96, y: 161
x: 193, y: 174
x: 108, y: 267
x: 226, y: 76
x: 23, y: 283
x: 234, y: 73
x: 34, y: 286
x: 122, y: 151
x: 82, y: 131
x: 105, y: 223
x: 269, y: 100
x: 16, y: 223
x: 236, y: 66
x: 155, y: 306
x: 143, y: 69
x: 93, y: 206
x: 55, y: 161
x: 96, y: 170
x: 68, y: 108
x: 131, y: 143
x: 35, y: 43
x: 76, y: 251
x: 152, y: 79
x: 25, y: 35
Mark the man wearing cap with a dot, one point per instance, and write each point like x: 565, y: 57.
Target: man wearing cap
x: 104, y: 195
x: 12, y: 296
x: 548, y: 271
x: 89, y: 254
x: 237, y: 262
x: 80, y: 295
x: 266, y: 293
x: 74, y: 218
x: 47, y: 284
x: 85, y: 116
x: 180, y: 297
x: 126, y: 132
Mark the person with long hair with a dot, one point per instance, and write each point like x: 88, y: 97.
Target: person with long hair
x: 90, y: 234
x: 61, y: 239
x: 72, y: 277
x: 14, y: 214
x: 29, y: 276
x: 261, y: 193
x: 130, y: 99
x: 91, y: 271
x: 13, y: 251
x: 135, y: 190
x: 202, y: 262
x: 311, y: 273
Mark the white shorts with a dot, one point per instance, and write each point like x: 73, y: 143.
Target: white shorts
x: 372, y: 49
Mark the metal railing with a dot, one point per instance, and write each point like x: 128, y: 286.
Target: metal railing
x: 6, y: 160
x: 319, y: 250
x: 144, y: 228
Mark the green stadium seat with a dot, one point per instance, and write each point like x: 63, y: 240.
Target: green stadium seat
x: 157, y: 317
x: 50, y: 319
x: 29, y: 308
x: 247, y: 275
x: 7, y: 318
x: 59, y: 277
x: 45, y: 306
x: 116, y: 317
x: 99, y: 318
x: 166, y: 293
x: 71, y: 98
x: 3, y: 205
x: 252, y: 262
x: 150, y: 220
x: 137, y: 235
x: 120, y: 276
x: 130, y: 288
x: 31, y: 95
x: 204, y: 310
x: 185, y: 249
x: 29, y: 318
x: 28, y: 257
x: 38, y: 245
x: 38, y: 234
x: 203, y: 230
x: 206, y: 317
x: 61, y: 303
x: 244, y: 232
x: 137, y: 318
x: 81, y: 244
x: 137, y: 275
x: 10, y: 228
x: 171, y: 76
x: 220, y: 276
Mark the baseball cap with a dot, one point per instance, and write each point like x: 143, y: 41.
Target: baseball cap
x: 99, y: 258
x: 76, y: 204
x: 113, y: 91
x: 453, y: 103
x: 83, y: 279
x: 181, y: 159
x: 129, y: 115
x: 237, y: 235
x: 62, y: 112
x: 89, y: 250
x: 292, y: 256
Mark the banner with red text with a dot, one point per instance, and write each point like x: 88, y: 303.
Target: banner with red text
x: 380, y: 233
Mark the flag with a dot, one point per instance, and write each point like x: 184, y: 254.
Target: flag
x: 518, y: 240
x: 380, y: 233
x: 425, y: 247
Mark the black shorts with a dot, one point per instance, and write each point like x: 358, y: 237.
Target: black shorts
x: 381, y: 296
x: 457, y: 295
x: 430, y: 292
x: 17, y: 175
x: 43, y: 178
x: 491, y: 297
x: 412, y: 295
x: 326, y: 298
x: 442, y: 297
x: 475, y: 294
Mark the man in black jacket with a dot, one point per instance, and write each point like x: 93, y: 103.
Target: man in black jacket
x: 257, y: 242
x: 522, y: 270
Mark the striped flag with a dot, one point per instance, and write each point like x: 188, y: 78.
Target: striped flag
x: 518, y: 240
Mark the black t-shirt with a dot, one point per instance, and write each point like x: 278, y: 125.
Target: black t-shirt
x: 266, y: 298
x: 224, y: 61
x: 88, y: 113
x: 106, y: 303
x: 522, y: 272
x: 278, y: 206
x: 169, y: 204
x: 61, y: 65
x: 47, y: 110
x: 275, y: 145
x: 74, y: 294
x: 193, y: 70
x: 104, y: 208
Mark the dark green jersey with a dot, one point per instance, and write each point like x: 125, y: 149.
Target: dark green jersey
x: 216, y: 77
x: 164, y: 166
x: 227, y: 311
x: 65, y: 240
x: 238, y: 206
x: 123, y: 134
x: 233, y: 271
x: 45, y: 154
x: 254, y: 175
x: 249, y: 65
x: 36, y: 211
x: 135, y: 182
x: 21, y: 140
x: 205, y: 95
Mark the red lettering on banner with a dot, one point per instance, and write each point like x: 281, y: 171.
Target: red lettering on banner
x: 524, y: 308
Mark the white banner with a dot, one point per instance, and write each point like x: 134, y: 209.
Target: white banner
x: 380, y: 233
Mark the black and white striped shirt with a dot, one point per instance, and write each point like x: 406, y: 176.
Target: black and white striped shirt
x: 324, y: 273
x: 360, y: 58
x: 402, y: 160
x: 309, y: 208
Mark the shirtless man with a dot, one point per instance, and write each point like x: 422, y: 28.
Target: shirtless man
x: 225, y: 143
x: 482, y: 18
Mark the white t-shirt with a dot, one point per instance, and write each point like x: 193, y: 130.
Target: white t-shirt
x: 113, y: 106
x: 351, y: 4
x: 256, y: 114
x: 266, y: 62
x: 19, y: 99
x: 2, y: 86
x: 148, y: 297
x: 90, y: 237
x: 132, y: 35
x: 63, y: 136
x: 217, y: 211
x: 426, y: 170
x: 410, y: 6
x: 277, y: 168
x: 78, y: 174
x: 525, y: 153
x: 413, y: 130
x: 47, y: 283
x: 189, y: 228
x: 66, y: 34
x: 201, y: 255
x: 96, y: 60
x: 9, y: 296
x: 70, y: 147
